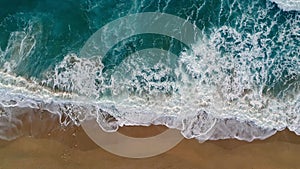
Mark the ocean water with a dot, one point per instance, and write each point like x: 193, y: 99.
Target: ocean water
x: 241, y: 79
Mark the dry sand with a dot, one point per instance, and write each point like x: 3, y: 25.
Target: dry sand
x: 72, y: 149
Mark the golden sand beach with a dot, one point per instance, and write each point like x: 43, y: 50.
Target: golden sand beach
x: 71, y: 148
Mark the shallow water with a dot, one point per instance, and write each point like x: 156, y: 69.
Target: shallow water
x: 240, y: 79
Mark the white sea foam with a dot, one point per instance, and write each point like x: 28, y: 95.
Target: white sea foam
x: 288, y: 5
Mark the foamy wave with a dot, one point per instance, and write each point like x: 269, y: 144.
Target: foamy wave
x: 201, y: 125
x: 16, y: 115
x: 216, y: 95
x: 288, y: 5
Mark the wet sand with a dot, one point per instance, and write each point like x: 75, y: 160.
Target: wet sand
x: 71, y: 149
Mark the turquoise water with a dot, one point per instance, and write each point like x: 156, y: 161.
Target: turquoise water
x: 242, y: 79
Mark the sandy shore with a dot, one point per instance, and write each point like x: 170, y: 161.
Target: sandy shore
x: 72, y: 149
